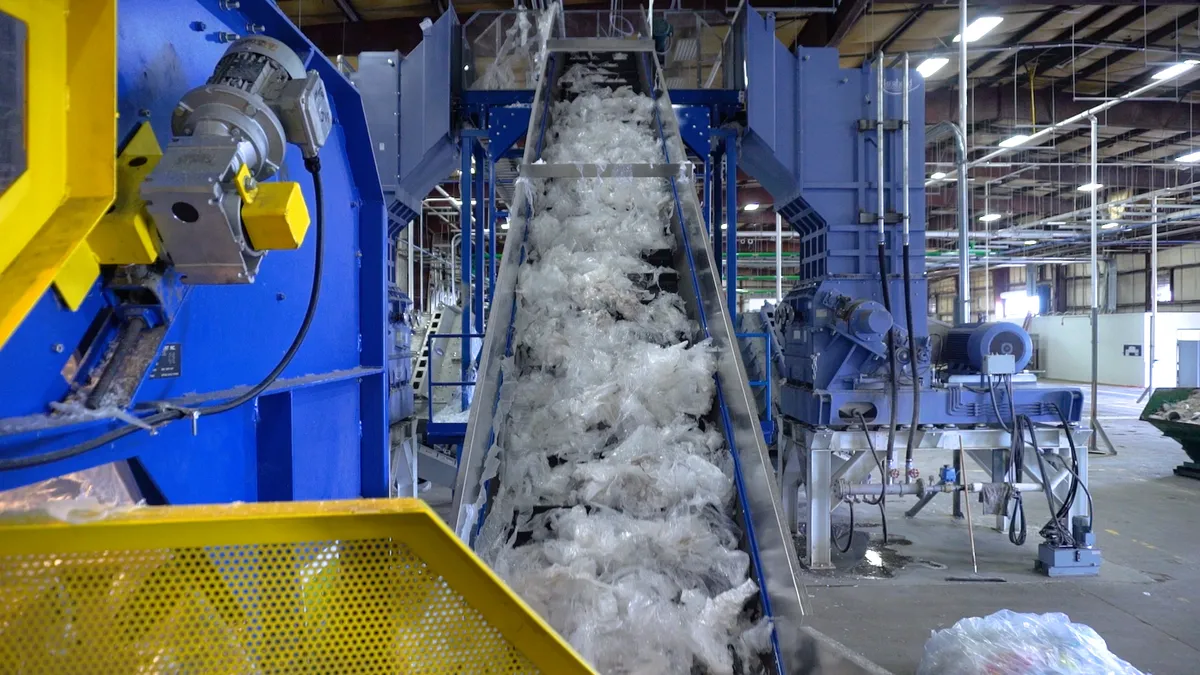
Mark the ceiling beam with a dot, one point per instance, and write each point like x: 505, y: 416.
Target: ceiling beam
x: 828, y: 30
x: 1019, y: 36
x: 999, y: 103
x: 348, y: 10
x: 1164, y: 31
x: 902, y: 28
x: 1055, y: 56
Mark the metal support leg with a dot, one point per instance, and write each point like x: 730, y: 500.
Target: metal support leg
x: 464, y: 212
x: 480, y: 238
x: 717, y: 208
x: 820, y: 496
x: 958, y: 497
x: 707, y: 205
x: 922, y: 503
x: 731, y: 207
x: 1000, y: 475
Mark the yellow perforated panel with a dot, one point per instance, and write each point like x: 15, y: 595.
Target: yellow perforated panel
x: 338, y: 604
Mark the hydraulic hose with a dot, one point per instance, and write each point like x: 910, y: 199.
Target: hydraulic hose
x: 893, y: 393
x: 912, y: 364
x: 157, y: 420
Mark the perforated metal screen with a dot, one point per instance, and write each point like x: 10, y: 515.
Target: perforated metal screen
x: 349, y: 605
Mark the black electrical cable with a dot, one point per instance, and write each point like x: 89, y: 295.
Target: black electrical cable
x: 996, y: 406
x: 1054, y: 532
x: 883, y: 478
x: 850, y: 533
x: 1075, y: 461
x: 1016, y: 467
x: 912, y: 362
x: 893, y: 394
x: 156, y: 420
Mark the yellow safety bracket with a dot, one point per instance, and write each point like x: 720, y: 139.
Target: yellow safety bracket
x: 126, y: 236
x: 69, y: 180
x: 359, y: 586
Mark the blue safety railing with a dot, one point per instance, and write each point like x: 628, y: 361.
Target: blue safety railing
x: 449, y: 433
x: 768, y: 419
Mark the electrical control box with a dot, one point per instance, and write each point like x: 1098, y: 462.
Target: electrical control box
x: 999, y: 364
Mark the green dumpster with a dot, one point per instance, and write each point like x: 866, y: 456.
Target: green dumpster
x: 1187, y: 433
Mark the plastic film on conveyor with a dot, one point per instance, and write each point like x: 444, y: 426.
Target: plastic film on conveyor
x: 614, y: 471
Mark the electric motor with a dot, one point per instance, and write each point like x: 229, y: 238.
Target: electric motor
x: 966, y: 346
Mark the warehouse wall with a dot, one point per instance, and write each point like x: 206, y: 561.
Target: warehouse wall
x: 1064, y: 346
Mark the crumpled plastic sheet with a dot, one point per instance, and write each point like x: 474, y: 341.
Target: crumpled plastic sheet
x: 523, y: 48
x: 77, y: 497
x: 613, y: 518
x: 1011, y: 643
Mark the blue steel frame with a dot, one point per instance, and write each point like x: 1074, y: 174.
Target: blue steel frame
x: 808, y: 138
x: 768, y: 419
x: 320, y: 432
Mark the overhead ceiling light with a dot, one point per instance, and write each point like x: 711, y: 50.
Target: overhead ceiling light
x: 1190, y: 157
x: 1089, y: 187
x: 931, y: 65
x: 1110, y: 226
x: 752, y: 206
x: 980, y: 27
x: 990, y: 217
x: 1030, y: 242
x: 1175, y: 70
x: 938, y: 175
x: 1014, y: 141
x: 1056, y: 222
x: 742, y: 290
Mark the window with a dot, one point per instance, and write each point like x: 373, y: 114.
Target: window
x: 1163, y: 289
x: 1018, y: 304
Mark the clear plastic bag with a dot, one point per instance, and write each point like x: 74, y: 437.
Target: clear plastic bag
x: 1011, y: 643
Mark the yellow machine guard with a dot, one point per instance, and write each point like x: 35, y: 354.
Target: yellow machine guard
x: 69, y: 179
x: 369, y: 586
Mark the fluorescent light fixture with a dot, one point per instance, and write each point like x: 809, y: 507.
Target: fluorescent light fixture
x: 1014, y: 141
x: 1110, y: 226
x: 1056, y: 222
x: 938, y: 175
x: 931, y: 65
x: 1089, y: 187
x: 1190, y: 157
x: 990, y: 217
x: 1175, y: 70
x: 752, y: 206
x: 1030, y: 242
x: 742, y: 290
x: 504, y: 225
x: 980, y: 27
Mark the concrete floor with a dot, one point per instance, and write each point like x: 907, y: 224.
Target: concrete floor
x: 1145, y: 603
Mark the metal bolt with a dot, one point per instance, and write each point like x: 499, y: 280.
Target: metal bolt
x: 198, y: 26
x: 230, y: 4
x: 358, y: 254
x: 223, y: 36
x: 806, y: 57
x: 58, y: 347
x: 845, y: 80
x: 144, y: 112
x: 280, y: 296
x: 253, y: 28
x: 391, y: 62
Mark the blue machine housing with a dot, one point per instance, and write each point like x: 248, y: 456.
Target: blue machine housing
x: 321, y: 430
x: 810, y: 139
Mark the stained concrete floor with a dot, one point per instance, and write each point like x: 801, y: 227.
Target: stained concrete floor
x: 1145, y: 602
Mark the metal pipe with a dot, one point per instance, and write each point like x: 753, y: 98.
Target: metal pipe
x: 1095, y: 288
x: 964, y: 198
x: 906, y: 489
x: 906, y: 264
x: 422, y: 276
x: 778, y: 258
x: 410, y: 281
x: 1152, y: 288
x: 880, y: 220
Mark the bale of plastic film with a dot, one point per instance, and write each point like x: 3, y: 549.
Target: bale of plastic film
x: 1011, y: 643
